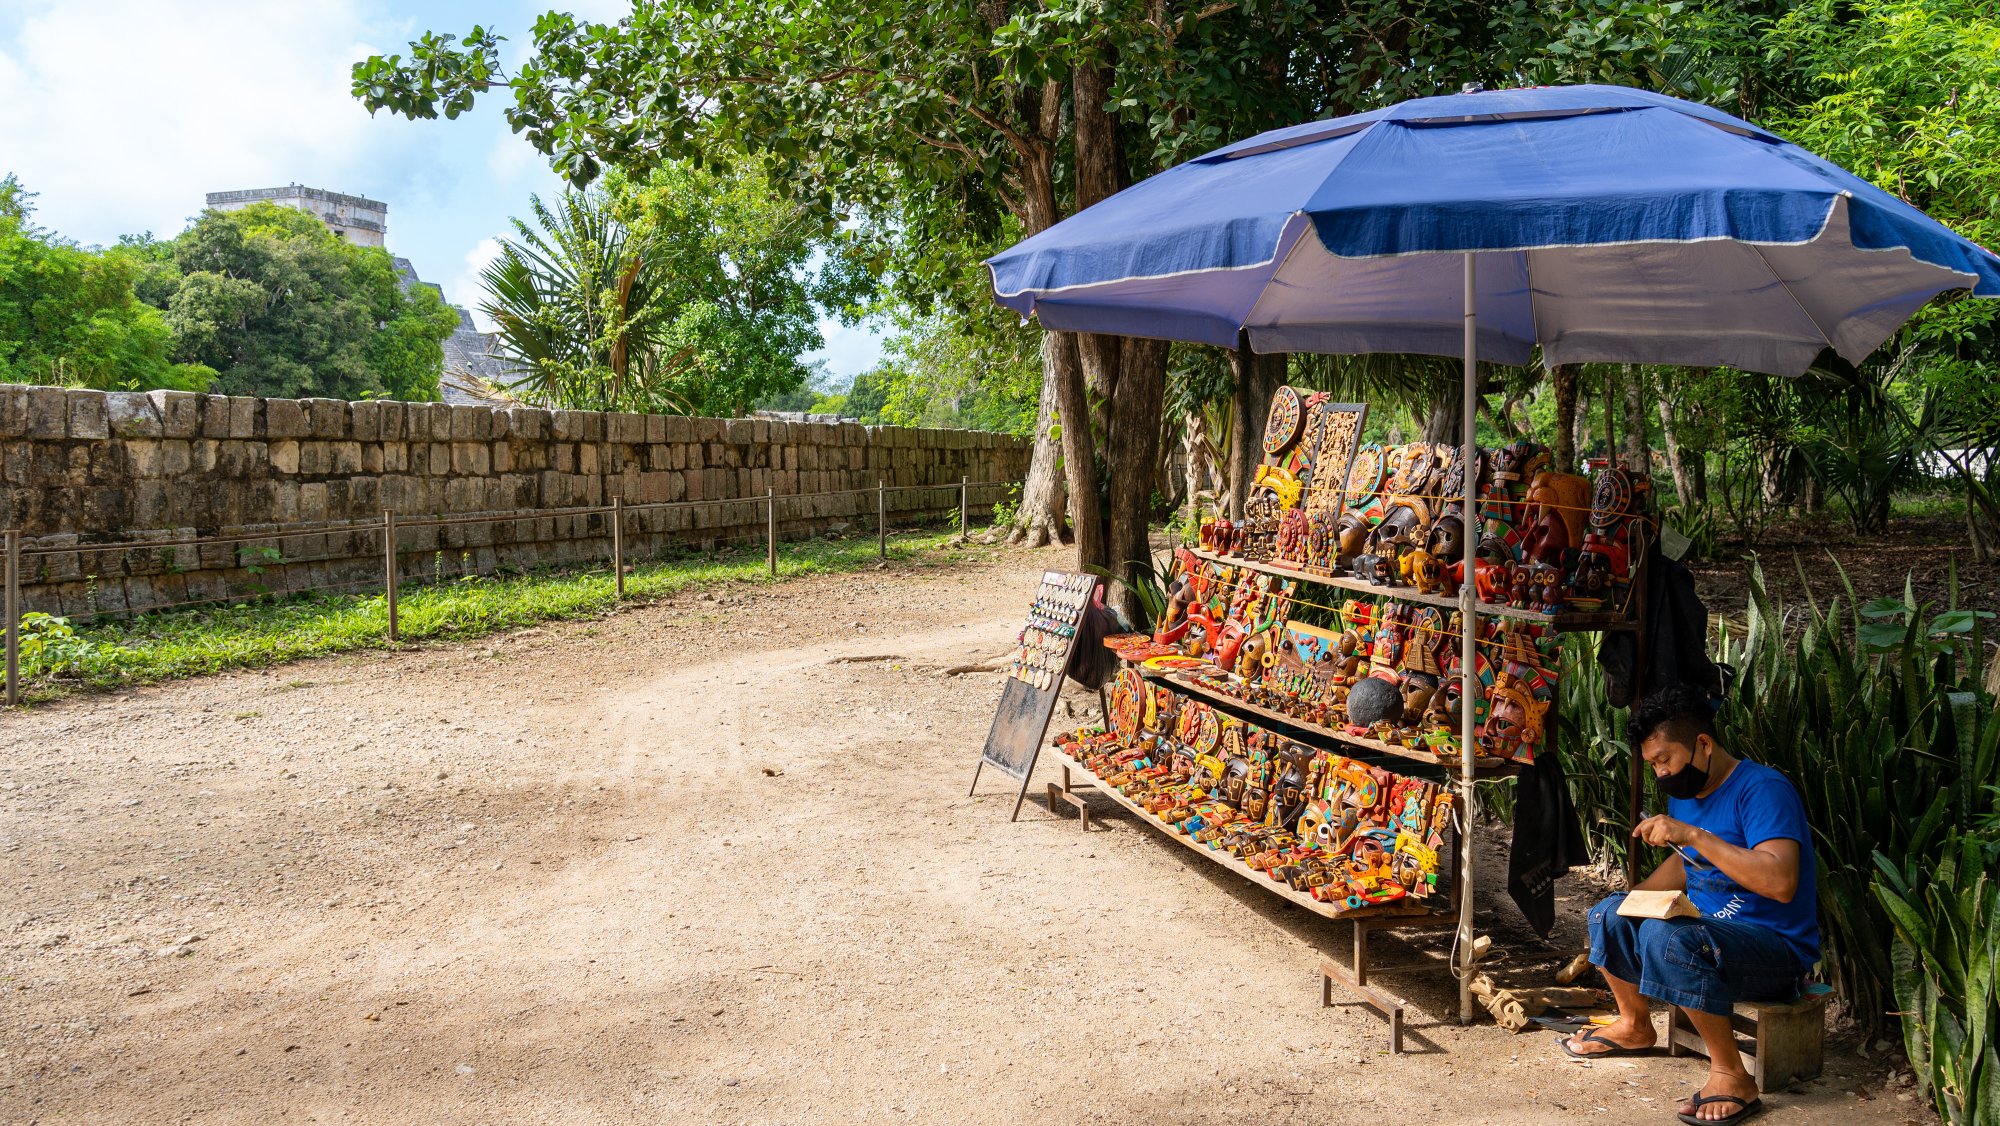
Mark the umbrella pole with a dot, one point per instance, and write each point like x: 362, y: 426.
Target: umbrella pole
x: 1468, y: 632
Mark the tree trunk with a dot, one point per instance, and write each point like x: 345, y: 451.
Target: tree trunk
x: 1079, y: 452
x: 1683, y: 478
x: 1133, y: 452
x: 1563, y: 380
x: 1257, y: 380
x: 1444, y: 420
x: 1638, y: 457
x: 1039, y: 521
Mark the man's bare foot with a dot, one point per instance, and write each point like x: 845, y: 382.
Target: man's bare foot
x: 1734, y: 1083
x: 1635, y: 1034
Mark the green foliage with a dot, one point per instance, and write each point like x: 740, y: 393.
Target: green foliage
x: 49, y: 647
x: 695, y: 291
x: 976, y: 372
x: 572, y: 299
x: 1945, y: 905
x: 68, y: 316
x: 280, y: 306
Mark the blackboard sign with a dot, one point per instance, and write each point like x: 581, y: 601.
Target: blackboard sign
x: 1034, y: 678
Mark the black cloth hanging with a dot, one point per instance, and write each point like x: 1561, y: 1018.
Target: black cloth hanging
x: 1548, y: 841
x: 1676, y: 633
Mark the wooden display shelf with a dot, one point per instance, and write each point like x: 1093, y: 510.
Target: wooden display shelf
x: 1484, y: 766
x: 1596, y: 621
x: 1387, y: 911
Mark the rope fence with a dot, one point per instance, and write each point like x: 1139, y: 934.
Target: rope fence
x: 392, y: 550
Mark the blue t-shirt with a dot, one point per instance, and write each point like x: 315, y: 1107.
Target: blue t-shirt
x: 1753, y: 805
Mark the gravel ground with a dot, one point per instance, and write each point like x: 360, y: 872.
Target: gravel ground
x: 685, y: 864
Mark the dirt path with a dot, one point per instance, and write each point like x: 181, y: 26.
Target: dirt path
x: 679, y: 865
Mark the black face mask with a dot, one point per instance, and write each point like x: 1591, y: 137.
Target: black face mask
x: 1685, y: 782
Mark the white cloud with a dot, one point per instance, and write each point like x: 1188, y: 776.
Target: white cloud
x: 124, y: 113
x: 464, y: 289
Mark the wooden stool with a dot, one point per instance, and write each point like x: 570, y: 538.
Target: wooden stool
x: 1787, y: 1038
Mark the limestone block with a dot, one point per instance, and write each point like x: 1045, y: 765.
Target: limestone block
x: 246, y: 418
x: 437, y: 459
x: 176, y: 458
x: 132, y: 415
x: 718, y: 484
x: 338, y: 499
x: 286, y: 418
x: 461, y: 495
x: 471, y: 458
x: 364, y: 421
x: 695, y: 485
x: 392, y: 421
x: 528, y: 424
x: 346, y: 457
x: 468, y: 423
x: 501, y: 456
x: 586, y: 458
x: 568, y: 425
x: 329, y: 417
x: 13, y: 410
x: 694, y: 456
x: 593, y: 426
x: 215, y: 415
x: 760, y: 431
x: 371, y: 457
x: 562, y: 458
x: 142, y: 458
x: 48, y: 413
x: 314, y: 459
x: 656, y: 428
x: 88, y: 417
x: 677, y: 428
x: 627, y: 428
x: 740, y: 431
x: 147, y: 504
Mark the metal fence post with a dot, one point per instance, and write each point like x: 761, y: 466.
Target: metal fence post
x: 13, y: 617
x: 389, y: 567
x: 881, y: 518
x: 618, y: 542
x: 771, y: 531
x: 964, y: 530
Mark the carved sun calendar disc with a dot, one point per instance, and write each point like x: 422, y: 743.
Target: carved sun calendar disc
x: 1282, y: 427
x: 1610, y: 498
x: 1366, y: 477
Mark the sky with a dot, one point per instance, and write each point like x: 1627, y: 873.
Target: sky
x: 124, y: 114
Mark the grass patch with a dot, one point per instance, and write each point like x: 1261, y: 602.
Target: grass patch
x: 184, y: 643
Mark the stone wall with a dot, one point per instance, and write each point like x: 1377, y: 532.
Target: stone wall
x: 85, y: 467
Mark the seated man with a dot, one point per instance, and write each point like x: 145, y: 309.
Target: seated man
x: 1744, y: 856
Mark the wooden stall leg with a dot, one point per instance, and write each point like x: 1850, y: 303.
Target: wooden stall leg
x: 1065, y: 794
x: 1356, y: 981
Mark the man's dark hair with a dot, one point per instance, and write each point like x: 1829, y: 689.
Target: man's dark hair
x: 1680, y: 714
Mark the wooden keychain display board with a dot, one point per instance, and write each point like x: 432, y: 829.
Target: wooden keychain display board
x: 1034, y: 679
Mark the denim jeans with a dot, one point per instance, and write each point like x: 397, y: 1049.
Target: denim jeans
x: 1702, y: 964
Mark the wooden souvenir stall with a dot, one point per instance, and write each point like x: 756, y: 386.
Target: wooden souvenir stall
x: 1299, y: 715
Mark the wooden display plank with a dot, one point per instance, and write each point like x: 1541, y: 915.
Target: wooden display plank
x: 1484, y: 766
x: 1398, y: 910
x: 1022, y: 719
x: 1562, y: 623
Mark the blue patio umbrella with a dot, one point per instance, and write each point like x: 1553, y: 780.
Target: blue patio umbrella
x: 1607, y: 224
x: 1599, y: 223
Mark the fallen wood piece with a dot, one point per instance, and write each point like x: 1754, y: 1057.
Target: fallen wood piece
x: 1513, y: 1009
x: 1577, y: 967
x: 961, y: 670
x: 863, y: 660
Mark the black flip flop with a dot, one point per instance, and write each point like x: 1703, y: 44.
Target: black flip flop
x: 1594, y: 1037
x: 1750, y: 1110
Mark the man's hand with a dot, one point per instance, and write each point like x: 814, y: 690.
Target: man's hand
x: 1662, y: 831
